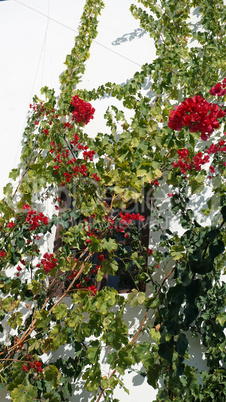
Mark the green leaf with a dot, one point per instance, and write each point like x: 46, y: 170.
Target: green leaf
x: 155, y: 335
x: 181, y: 344
x: 153, y: 375
x: 109, y: 245
x: 42, y: 319
x: 60, y: 311
x: 221, y: 318
x: 15, y: 320
x: 158, y: 173
x: 217, y: 248
x: 52, y: 375
x: 135, y: 298
x: 141, y: 173
x: 191, y: 311
x: 34, y: 286
x: 24, y: 393
x: 223, y: 212
x: 14, y: 174
x: 153, y: 302
x: 193, y: 290
x: 166, y: 351
x: 8, y: 189
x: 93, y: 352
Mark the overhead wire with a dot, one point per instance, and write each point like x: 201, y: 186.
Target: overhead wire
x: 44, y: 50
x: 49, y: 18
x: 36, y: 72
x: 76, y: 31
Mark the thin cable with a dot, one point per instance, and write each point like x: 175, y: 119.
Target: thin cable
x: 76, y: 31
x: 44, y: 47
x: 35, y: 77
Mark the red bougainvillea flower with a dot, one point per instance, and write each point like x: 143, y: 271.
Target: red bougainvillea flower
x: 155, y: 183
x: 126, y: 218
x: 198, y: 115
x: 82, y: 111
x: 34, y: 219
x: 213, y: 148
x: 26, y: 206
x: 48, y: 262
x: 149, y: 251
x: 218, y: 89
x: 91, y: 289
x: 101, y: 257
x: 96, y: 177
x: 2, y: 254
x: 10, y: 225
x: 73, y: 275
x: 185, y: 164
x: 199, y: 160
x: 37, y: 366
x: 137, y: 217
x: 88, y: 155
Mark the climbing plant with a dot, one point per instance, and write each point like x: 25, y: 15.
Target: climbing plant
x: 125, y: 193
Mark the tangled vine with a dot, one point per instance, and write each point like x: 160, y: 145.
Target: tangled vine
x: 116, y: 225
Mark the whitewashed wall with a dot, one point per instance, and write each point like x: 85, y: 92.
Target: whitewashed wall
x: 35, y: 37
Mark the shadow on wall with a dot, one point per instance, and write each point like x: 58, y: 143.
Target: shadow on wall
x: 128, y: 37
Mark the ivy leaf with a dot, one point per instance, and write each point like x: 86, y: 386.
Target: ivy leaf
x: 223, y: 212
x: 109, y: 245
x: 158, y: 173
x: 153, y: 375
x: 15, y: 320
x: 181, y: 344
x: 8, y: 189
x: 60, y: 311
x: 166, y: 351
x: 191, y: 312
x: 135, y: 298
x: 155, y: 335
x: 193, y: 290
x: 34, y: 286
x: 14, y: 174
x: 93, y: 352
x: 221, y: 318
x: 141, y: 173
x: 42, y: 319
x: 52, y: 375
x: 216, y: 249
x: 153, y: 302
